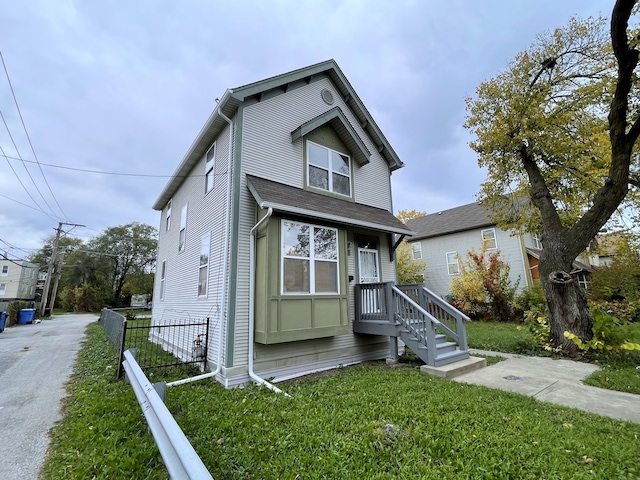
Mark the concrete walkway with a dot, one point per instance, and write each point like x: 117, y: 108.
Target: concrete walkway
x: 554, y: 381
x: 35, y: 363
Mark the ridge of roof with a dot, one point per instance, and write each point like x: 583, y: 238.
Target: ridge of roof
x: 457, y: 219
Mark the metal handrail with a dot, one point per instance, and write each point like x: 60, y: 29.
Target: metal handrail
x: 178, y: 454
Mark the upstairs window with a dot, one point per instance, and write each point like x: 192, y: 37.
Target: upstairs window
x: 183, y: 229
x: 168, y: 221
x: 537, y: 241
x: 5, y: 271
x: 489, y: 238
x: 416, y: 250
x: 452, y: 263
x: 209, y: 168
x: 328, y: 170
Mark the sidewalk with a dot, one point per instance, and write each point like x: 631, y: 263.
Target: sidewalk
x: 35, y: 363
x: 554, y: 381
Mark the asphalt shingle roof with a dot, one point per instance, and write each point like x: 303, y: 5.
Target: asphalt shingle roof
x: 458, y: 219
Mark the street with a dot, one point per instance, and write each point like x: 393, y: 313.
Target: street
x: 35, y: 363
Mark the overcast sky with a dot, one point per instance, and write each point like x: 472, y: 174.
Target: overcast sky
x: 125, y: 86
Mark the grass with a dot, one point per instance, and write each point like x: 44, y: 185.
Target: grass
x: 367, y: 421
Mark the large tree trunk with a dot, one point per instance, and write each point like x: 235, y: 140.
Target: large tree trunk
x: 567, y: 302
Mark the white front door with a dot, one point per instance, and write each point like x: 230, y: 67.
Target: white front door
x: 368, y: 273
x: 368, y: 265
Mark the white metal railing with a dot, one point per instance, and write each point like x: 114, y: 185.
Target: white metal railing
x: 178, y: 454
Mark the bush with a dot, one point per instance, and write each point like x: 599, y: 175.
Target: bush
x: 14, y: 308
x: 610, y: 334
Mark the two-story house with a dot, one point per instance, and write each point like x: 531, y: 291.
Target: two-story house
x: 17, y: 280
x: 280, y: 207
x: 443, y: 239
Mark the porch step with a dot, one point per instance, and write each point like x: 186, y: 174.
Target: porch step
x: 452, y: 370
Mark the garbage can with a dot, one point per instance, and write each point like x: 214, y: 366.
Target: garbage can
x: 26, y: 315
x: 3, y: 320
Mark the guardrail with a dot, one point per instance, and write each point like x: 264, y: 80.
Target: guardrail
x: 178, y: 454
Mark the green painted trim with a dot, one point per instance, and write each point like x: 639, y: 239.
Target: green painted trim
x: 273, y: 338
x: 234, y: 239
x: 361, y: 155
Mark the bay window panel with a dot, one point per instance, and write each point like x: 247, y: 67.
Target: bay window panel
x: 296, y: 276
x: 325, y: 242
x: 295, y: 239
x: 326, y: 274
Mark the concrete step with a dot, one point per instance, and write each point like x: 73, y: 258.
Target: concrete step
x: 454, y: 369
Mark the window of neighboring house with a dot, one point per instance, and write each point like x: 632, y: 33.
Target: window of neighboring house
x: 416, y: 250
x: 5, y: 270
x: 168, y: 224
x: 309, y: 259
x: 163, y: 276
x: 537, y: 241
x: 183, y: 229
x: 453, y: 267
x: 489, y: 238
x: 328, y: 170
x: 3, y: 288
x: 208, y: 169
x: 583, y: 281
x: 203, y: 273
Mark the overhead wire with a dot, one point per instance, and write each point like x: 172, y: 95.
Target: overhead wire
x: 24, y: 126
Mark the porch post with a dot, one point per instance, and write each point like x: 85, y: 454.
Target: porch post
x: 390, y: 311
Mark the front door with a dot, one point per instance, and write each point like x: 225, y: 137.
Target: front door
x: 368, y: 272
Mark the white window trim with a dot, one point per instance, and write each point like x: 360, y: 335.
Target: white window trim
x: 182, y: 235
x: 330, y: 171
x: 205, y: 244
x: 450, y: 264
x: 537, y: 241
x: 416, y: 250
x: 168, y: 216
x: 163, y: 278
x: 495, y: 238
x: 209, y: 168
x: 3, y: 288
x: 311, y: 259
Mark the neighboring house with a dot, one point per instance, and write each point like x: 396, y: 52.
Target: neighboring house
x: 442, y: 240
x: 17, y: 280
x: 280, y: 207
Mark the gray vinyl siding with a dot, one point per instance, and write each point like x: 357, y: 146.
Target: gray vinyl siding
x: 267, y: 146
x: 434, y: 252
x: 205, y: 215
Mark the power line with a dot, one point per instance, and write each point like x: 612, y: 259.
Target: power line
x: 29, y: 140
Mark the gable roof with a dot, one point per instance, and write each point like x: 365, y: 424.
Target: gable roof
x: 458, y: 219
x: 296, y: 201
x: 229, y: 103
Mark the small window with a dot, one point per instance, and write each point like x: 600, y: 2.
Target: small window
x: 183, y: 229
x: 203, y: 270
x: 489, y: 238
x: 328, y: 170
x: 163, y: 276
x: 209, y: 168
x: 584, y: 281
x: 3, y: 288
x: 453, y: 267
x: 309, y: 259
x: 168, y: 221
x: 5, y: 270
x: 416, y: 250
x: 537, y: 241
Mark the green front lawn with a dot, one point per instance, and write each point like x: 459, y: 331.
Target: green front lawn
x: 362, y: 422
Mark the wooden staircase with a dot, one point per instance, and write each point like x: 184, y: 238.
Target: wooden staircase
x: 428, y: 325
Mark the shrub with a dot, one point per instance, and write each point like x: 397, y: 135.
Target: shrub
x: 14, y: 308
x: 609, y: 335
x: 483, y: 290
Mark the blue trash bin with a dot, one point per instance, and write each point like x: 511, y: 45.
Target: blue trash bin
x: 26, y: 315
x: 3, y: 320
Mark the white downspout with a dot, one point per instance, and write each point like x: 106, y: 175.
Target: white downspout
x: 252, y: 274
x: 224, y: 266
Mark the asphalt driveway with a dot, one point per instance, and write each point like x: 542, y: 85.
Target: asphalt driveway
x: 35, y: 363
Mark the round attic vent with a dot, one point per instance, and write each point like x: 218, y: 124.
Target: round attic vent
x: 327, y: 96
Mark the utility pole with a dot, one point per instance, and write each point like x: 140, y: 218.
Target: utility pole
x: 58, y: 273
x: 54, y: 254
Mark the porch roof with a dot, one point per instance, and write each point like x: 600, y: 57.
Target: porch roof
x: 288, y: 199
